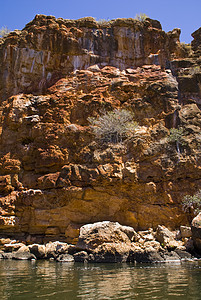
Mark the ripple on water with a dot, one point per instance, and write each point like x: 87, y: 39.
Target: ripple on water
x: 50, y: 280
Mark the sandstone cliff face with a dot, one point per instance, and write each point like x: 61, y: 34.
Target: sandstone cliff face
x: 54, y: 174
x: 48, y: 48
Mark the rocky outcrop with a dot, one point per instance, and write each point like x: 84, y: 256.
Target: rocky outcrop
x: 106, y: 242
x: 55, y: 175
x: 48, y: 49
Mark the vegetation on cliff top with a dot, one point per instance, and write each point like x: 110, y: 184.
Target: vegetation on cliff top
x: 4, y: 31
x: 141, y: 17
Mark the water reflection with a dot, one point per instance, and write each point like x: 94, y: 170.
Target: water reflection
x: 50, y: 280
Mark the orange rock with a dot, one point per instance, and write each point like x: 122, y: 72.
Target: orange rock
x: 54, y: 172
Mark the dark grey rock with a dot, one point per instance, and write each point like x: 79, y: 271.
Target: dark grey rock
x: 38, y: 251
x: 65, y: 258
x: 23, y: 256
x: 183, y: 254
x: 170, y: 256
x: 109, y: 257
x: 145, y: 257
x: 53, y: 250
x: 18, y: 255
x: 81, y: 256
x: 7, y: 255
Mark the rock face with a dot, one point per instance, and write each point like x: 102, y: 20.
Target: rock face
x: 55, y: 176
x: 48, y: 48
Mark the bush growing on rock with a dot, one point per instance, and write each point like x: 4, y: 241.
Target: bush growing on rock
x: 195, y: 70
x: 177, y: 136
x: 4, y: 31
x: 114, y: 126
x: 141, y: 17
x: 192, y: 203
x: 103, y: 21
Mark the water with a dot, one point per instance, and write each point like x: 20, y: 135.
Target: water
x: 50, y: 280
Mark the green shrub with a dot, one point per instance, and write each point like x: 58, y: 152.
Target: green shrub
x: 176, y: 135
x: 114, y: 126
x: 192, y: 203
x: 141, y: 17
x: 195, y: 70
x: 4, y: 31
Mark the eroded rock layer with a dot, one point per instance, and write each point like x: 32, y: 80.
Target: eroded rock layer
x: 55, y: 175
x: 48, y: 48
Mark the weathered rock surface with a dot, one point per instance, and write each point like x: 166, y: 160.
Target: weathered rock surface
x: 38, y: 250
x: 164, y: 236
x: 185, y: 231
x: 55, y: 176
x: 196, y: 232
x: 65, y: 258
x: 48, y: 49
x: 23, y: 253
x: 55, y: 249
x: 106, y: 242
x: 93, y: 235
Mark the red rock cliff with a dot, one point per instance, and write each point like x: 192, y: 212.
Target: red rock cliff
x: 54, y: 175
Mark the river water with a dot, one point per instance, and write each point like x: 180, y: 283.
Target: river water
x: 50, y: 280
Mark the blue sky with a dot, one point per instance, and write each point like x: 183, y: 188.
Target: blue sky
x: 171, y: 13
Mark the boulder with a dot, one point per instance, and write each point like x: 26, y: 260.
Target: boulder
x: 23, y: 253
x: 4, y: 241
x: 111, y: 253
x: 148, y: 255
x: 38, y: 250
x: 151, y: 244
x: 81, y: 256
x: 189, y: 245
x: 170, y: 256
x: 65, y: 258
x: 93, y: 235
x: 147, y: 235
x: 196, y: 232
x: 7, y: 255
x: 53, y: 249
x: 12, y: 247
x: 185, y: 231
x: 164, y: 236
x: 184, y: 255
x: 106, y: 241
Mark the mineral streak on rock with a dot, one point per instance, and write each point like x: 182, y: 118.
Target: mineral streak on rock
x: 48, y: 49
x: 54, y: 174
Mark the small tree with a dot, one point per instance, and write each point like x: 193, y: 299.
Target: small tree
x: 176, y: 136
x: 4, y: 31
x: 192, y: 203
x: 114, y: 126
x: 141, y: 17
